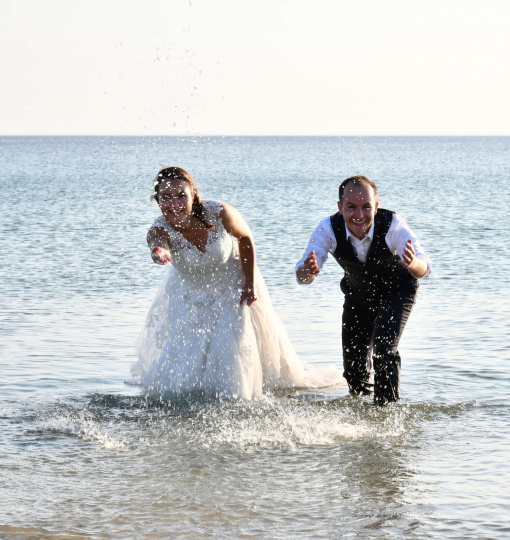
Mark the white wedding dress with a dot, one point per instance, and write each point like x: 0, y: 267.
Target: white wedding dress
x: 198, y: 336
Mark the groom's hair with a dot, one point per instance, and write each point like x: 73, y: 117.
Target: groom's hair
x: 357, y: 181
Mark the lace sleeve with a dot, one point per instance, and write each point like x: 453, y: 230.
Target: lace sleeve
x: 160, y: 222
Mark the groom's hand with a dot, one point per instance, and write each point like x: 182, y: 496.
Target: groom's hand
x: 311, y: 263
x: 307, y: 271
x: 409, y: 260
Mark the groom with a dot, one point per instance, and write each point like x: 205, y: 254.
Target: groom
x: 382, y: 261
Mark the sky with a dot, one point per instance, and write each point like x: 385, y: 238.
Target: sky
x: 255, y: 67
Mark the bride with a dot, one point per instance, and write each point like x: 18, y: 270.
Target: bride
x: 211, y: 326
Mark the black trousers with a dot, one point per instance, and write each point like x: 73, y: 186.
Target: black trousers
x: 373, y: 326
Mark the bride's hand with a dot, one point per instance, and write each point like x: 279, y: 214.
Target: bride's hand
x: 248, y: 294
x: 160, y: 255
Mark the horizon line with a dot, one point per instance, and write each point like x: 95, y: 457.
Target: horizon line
x: 200, y: 136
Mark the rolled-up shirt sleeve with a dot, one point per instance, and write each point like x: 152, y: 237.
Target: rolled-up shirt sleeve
x: 322, y: 242
x: 397, y: 237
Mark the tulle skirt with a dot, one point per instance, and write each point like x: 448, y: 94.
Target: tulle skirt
x: 198, y: 336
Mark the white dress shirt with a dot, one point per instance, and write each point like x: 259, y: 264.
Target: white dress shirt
x: 323, y: 242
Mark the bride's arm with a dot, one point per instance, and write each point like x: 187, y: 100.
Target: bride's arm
x: 157, y: 239
x: 237, y: 227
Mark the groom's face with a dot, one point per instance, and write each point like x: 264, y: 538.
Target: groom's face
x: 358, y: 208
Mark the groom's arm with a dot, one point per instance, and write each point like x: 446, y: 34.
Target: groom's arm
x: 321, y: 243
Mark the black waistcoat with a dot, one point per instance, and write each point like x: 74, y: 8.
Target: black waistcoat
x: 380, y: 274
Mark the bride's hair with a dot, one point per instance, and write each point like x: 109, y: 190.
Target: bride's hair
x: 176, y: 173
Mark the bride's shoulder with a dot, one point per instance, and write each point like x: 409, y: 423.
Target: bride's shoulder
x: 212, y: 209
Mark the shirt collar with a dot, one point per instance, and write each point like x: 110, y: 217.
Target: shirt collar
x: 370, y: 234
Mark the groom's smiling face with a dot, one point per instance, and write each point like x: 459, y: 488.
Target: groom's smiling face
x: 358, y: 208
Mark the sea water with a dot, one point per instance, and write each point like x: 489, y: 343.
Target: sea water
x: 85, y: 455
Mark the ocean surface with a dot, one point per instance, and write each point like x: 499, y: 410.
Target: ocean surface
x: 85, y: 455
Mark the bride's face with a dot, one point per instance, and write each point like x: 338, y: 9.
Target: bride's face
x: 176, y: 201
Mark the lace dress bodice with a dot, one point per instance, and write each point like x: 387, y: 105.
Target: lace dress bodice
x: 216, y: 262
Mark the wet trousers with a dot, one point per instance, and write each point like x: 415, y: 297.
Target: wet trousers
x: 371, y: 331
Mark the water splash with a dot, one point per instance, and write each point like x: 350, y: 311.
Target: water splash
x: 285, y: 422
x: 81, y: 423
x: 280, y: 422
